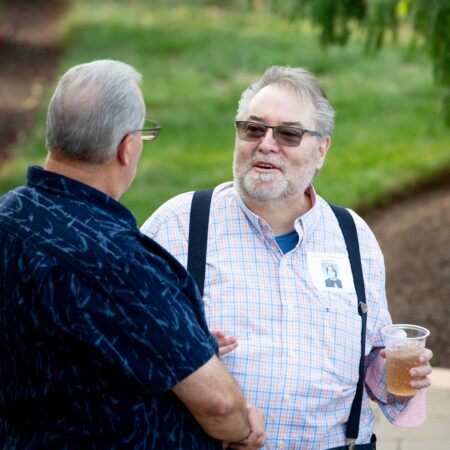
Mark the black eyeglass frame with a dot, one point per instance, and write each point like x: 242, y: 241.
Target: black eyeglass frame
x: 301, y: 132
x: 155, y: 129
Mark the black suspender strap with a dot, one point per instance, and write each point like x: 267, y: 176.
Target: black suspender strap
x: 196, y: 265
x: 348, y: 228
x: 198, y: 236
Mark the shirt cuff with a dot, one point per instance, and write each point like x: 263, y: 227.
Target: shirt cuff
x: 375, y: 373
x: 415, y: 412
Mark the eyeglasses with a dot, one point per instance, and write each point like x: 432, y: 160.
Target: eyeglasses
x: 283, y: 134
x: 150, y: 132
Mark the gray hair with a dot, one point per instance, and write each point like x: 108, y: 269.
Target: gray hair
x: 94, y: 106
x: 304, y: 84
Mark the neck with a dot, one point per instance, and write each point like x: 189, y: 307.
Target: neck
x: 281, y: 214
x: 102, y: 177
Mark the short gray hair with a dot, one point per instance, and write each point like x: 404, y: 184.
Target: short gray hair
x: 304, y: 84
x: 94, y: 106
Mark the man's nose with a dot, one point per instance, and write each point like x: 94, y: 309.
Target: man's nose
x: 268, y: 142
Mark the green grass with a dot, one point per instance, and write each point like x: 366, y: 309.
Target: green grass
x: 197, y: 61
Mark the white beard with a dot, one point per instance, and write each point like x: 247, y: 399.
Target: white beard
x: 286, y: 184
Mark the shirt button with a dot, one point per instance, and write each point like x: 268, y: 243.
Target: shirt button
x: 287, y: 397
x: 291, y: 353
x: 281, y: 444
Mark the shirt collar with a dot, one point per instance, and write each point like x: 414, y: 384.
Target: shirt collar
x: 304, y: 225
x: 70, y: 188
x: 251, y: 216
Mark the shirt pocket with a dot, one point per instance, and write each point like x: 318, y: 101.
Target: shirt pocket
x: 342, y: 328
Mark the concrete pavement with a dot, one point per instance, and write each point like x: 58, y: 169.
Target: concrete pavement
x: 434, y: 434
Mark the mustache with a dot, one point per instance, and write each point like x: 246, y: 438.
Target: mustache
x: 277, y: 162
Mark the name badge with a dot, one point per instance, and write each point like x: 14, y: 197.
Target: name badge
x: 331, y: 272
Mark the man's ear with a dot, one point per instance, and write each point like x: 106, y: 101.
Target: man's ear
x: 325, y: 143
x: 123, y: 152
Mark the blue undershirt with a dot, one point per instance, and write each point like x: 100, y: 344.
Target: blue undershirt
x: 288, y: 241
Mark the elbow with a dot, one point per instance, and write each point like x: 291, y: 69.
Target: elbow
x: 224, y: 406
x: 226, y: 419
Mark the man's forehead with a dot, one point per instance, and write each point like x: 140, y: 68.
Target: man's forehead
x: 261, y: 119
x: 282, y: 101
x: 281, y: 93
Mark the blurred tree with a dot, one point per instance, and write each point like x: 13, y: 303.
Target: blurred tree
x: 381, y: 18
x: 334, y: 17
x: 430, y: 19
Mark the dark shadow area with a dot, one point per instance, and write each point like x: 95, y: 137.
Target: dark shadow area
x: 413, y: 230
x: 29, y: 39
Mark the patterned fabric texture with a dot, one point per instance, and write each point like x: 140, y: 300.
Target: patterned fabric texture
x: 98, y: 323
x: 299, y: 344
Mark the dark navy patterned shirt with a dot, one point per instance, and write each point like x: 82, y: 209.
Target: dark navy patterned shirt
x: 97, y: 324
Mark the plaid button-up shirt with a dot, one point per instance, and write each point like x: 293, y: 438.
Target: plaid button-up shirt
x: 299, y: 340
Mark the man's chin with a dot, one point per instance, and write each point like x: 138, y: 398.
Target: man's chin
x: 264, y: 193
x: 261, y: 190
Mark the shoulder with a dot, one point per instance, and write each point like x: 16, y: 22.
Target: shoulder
x: 176, y: 211
x: 362, y: 227
x: 365, y: 233
x: 22, y: 214
x: 367, y: 240
x: 12, y: 202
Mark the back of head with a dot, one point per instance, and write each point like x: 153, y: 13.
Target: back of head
x: 303, y: 83
x: 94, y: 106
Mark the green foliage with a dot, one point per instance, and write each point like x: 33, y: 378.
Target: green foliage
x: 381, y: 18
x: 446, y: 106
x: 439, y: 32
x: 334, y: 16
x: 196, y: 61
x: 430, y: 19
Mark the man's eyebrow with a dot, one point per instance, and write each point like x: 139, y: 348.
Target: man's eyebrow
x: 257, y: 118
x: 286, y: 123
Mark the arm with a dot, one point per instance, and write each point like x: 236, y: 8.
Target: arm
x: 215, y: 400
x: 398, y: 410
x: 401, y: 411
x: 257, y: 437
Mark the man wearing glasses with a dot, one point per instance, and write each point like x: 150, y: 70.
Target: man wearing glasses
x: 301, y: 345
x: 104, y: 340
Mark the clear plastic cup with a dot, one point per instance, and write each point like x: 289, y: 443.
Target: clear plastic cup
x: 404, y: 344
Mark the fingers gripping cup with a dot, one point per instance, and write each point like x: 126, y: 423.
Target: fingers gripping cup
x: 404, y: 345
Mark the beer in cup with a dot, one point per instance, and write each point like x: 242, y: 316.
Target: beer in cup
x: 404, y: 344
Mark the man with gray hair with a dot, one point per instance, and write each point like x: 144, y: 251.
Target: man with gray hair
x: 104, y: 339
x: 309, y: 354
